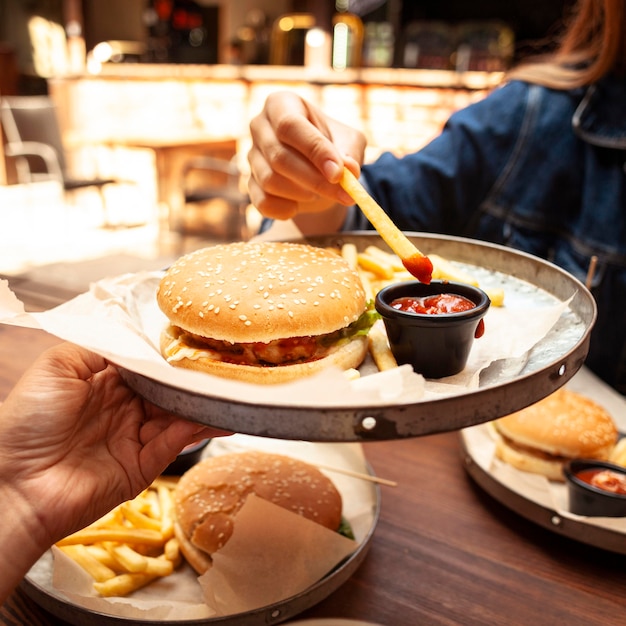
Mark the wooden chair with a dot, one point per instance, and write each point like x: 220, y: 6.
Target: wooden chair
x: 206, y: 180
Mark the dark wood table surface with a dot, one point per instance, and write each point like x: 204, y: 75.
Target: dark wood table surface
x: 444, y: 552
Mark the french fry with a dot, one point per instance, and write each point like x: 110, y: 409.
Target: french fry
x: 379, y: 348
x: 171, y: 551
x: 132, y: 512
x: 132, y: 545
x: 495, y: 295
x: 366, y: 281
x: 123, y: 584
x: 92, y: 564
x: 378, y: 267
x: 122, y: 535
x: 99, y: 552
x: 128, y: 559
x: 390, y: 233
x: 349, y: 253
x: 386, y: 257
x: 167, y: 506
x: 444, y: 270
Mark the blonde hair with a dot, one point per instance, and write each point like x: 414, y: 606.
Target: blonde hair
x: 591, y: 46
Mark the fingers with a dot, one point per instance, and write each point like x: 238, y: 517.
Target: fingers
x: 295, y: 159
x: 72, y: 361
x: 162, y: 441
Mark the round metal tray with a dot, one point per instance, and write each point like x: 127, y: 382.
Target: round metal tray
x: 38, y: 586
x: 504, y: 387
x: 531, y: 504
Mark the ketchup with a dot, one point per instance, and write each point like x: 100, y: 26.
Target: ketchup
x: 437, y: 304
x: 604, y: 479
x: 419, y: 266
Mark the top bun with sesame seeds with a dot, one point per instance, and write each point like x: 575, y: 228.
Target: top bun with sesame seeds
x: 263, y: 312
x: 209, y: 495
x: 545, y: 435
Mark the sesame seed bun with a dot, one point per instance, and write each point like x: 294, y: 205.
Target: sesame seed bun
x: 209, y: 495
x: 565, y: 425
x: 260, y: 307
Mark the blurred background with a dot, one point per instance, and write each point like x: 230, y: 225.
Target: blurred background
x: 124, y: 123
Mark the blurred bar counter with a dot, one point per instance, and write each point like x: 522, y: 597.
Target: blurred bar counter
x: 398, y: 109
x: 109, y: 116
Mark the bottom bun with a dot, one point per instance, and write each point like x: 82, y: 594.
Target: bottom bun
x: 527, y: 462
x: 199, y: 560
x: 346, y: 356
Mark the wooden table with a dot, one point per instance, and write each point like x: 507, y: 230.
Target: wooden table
x: 443, y: 552
x: 170, y: 156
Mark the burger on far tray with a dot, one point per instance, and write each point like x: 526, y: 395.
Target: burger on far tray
x: 209, y: 495
x: 264, y: 312
x: 544, y: 436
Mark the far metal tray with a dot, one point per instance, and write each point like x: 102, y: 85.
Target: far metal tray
x: 504, y: 387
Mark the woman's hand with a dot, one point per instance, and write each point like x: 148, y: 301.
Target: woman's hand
x: 297, y: 158
x: 75, y: 441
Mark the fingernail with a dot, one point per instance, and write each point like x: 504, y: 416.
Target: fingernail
x: 331, y: 170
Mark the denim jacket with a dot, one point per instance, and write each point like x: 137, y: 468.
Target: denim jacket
x: 536, y: 169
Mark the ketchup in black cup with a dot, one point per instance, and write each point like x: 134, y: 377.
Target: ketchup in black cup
x: 432, y: 327
x: 595, y: 488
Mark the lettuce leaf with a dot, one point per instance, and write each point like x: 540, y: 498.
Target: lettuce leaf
x: 360, y: 327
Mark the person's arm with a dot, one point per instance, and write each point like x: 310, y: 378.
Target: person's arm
x: 75, y: 441
x: 22, y: 538
x: 296, y: 160
x: 441, y: 187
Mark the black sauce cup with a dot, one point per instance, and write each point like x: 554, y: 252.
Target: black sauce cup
x: 187, y: 458
x: 435, y: 345
x: 590, y: 501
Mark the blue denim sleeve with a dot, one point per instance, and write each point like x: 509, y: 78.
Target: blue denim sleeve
x: 438, y: 188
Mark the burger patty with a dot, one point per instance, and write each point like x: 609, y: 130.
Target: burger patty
x: 278, y: 352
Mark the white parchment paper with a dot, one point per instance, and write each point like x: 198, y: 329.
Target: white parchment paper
x: 119, y: 319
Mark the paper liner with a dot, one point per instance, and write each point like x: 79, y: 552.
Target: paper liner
x: 119, y: 319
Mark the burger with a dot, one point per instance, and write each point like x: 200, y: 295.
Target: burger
x: 209, y: 495
x: 264, y: 312
x: 544, y: 436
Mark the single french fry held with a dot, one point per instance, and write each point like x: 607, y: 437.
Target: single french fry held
x: 417, y: 263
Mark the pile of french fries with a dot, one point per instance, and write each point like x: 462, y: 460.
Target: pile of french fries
x: 379, y: 268
x: 130, y: 546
